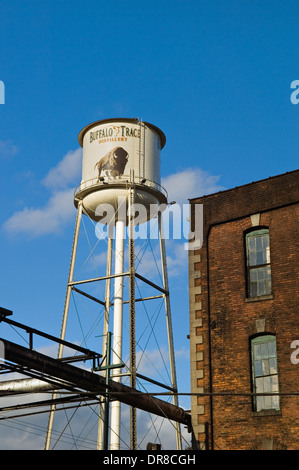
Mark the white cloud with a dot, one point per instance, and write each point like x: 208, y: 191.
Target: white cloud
x: 49, y: 219
x: 177, y: 258
x: 148, y: 262
x: 189, y: 183
x: 59, y: 210
x: 151, y: 362
x: 66, y: 172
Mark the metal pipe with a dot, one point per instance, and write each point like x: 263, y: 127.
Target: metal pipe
x: 103, y: 278
x: 106, y: 351
x: 142, y: 299
x: 117, y: 326
x: 147, y: 281
x: 91, y: 297
x: 92, y: 383
x: 15, y: 387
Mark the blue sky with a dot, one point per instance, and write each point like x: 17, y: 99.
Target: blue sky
x: 215, y: 76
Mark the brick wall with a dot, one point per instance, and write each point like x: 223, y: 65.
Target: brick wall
x: 222, y: 319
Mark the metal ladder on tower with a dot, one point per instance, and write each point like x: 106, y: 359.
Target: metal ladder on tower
x: 141, y: 151
x: 133, y: 419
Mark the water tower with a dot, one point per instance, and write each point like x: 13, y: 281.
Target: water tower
x: 121, y: 171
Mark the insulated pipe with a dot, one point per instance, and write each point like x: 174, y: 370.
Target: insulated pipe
x: 15, y: 387
x: 90, y: 382
x: 117, y: 327
x: 105, y: 339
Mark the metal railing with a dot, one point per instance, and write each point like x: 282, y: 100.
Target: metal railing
x: 122, y: 180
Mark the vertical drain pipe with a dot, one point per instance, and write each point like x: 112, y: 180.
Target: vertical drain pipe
x: 106, y: 347
x: 117, y: 327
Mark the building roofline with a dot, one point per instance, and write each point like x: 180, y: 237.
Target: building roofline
x: 242, y: 186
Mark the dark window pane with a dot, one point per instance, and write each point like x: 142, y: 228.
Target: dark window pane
x: 252, y: 258
x: 257, y: 351
x: 272, y: 349
x: 260, y: 257
x: 258, y: 368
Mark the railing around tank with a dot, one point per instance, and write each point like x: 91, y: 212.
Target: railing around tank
x: 123, y: 180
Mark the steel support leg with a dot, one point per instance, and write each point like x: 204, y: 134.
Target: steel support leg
x: 65, y: 315
x: 106, y: 352
x: 169, y: 324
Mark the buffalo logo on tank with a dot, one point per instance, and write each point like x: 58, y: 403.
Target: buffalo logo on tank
x: 113, y: 163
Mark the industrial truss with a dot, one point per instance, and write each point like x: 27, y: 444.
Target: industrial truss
x: 61, y: 374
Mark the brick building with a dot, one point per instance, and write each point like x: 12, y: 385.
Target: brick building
x: 244, y: 317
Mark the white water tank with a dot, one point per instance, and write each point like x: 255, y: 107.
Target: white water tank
x: 113, y: 151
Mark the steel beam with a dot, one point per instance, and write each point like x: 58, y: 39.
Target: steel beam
x: 90, y: 382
